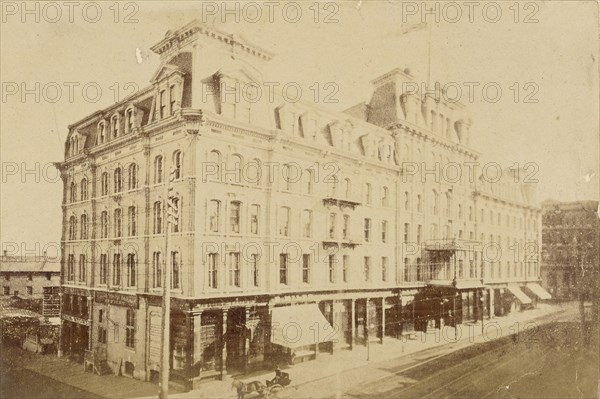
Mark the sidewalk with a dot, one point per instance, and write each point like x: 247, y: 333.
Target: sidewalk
x: 72, y: 373
x: 416, y: 350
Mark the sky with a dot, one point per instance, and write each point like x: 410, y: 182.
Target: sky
x: 542, y: 56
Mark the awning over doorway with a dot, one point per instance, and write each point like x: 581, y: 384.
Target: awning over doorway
x: 300, y: 325
x: 516, y: 291
x: 539, y: 291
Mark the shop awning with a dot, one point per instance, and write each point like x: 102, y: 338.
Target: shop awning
x: 300, y: 325
x: 539, y: 291
x: 516, y: 291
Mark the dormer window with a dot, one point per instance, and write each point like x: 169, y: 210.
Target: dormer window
x: 172, y: 100
x: 114, y: 123
x: 129, y: 120
x: 162, y: 104
x: 101, y: 132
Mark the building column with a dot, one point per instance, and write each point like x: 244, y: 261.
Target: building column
x: 59, y: 349
x: 382, y: 318
x: 223, y: 371
x: 247, y: 339
x: 189, y: 350
x: 90, y: 307
x: 353, y: 322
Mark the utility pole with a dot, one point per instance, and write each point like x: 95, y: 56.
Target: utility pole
x: 170, y: 216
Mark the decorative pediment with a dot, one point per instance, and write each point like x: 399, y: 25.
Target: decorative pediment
x: 166, y: 70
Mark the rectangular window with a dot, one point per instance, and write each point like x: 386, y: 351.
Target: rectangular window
x: 157, y: 270
x: 6, y: 290
x: 306, y: 223
x: 384, y: 268
x: 367, y: 268
x: 383, y: 231
x: 331, y: 263
x: 332, y: 224
x: 419, y: 234
x: 346, y: 227
x: 172, y: 99
x: 234, y: 216
x: 406, y: 270
x: 130, y: 328
x: 306, y: 268
x: 255, y: 270
x: 162, y: 104
x: 234, y: 269
x: 284, y: 221
x: 254, y: 215
x: 213, y: 268
x: 283, y: 269
x: 29, y: 290
x: 367, y: 230
x: 345, y: 268
x: 406, y: 227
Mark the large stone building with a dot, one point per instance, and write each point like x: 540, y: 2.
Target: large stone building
x: 293, y: 218
x: 570, y: 249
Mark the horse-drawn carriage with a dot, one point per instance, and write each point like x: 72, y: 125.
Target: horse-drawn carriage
x: 271, y: 387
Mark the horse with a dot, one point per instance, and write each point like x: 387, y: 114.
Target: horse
x: 242, y: 388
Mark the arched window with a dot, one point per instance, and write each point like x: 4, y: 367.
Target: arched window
x: 114, y: 126
x: 234, y: 216
x: 73, y: 192
x: 132, y: 178
x: 158, y: 169
x: 419, y: 203
x: 118, y: 176
x: 406, y: 201
x: 104, y: 184
x: 131, y: 276
x: 129, y: 120
x: 118, y: 223
x: 101, y: 132
x: 214, y: 209
x: 157, y: 218
x: 84, y: 190
x: 104, y: 224
x: 132, y: 221
x: 177, y: 204
x: 234, y: 169
x: 176, y: 270
x: 177, y: 165
x: 72, y: 228
x: 213, y: 168
x: 83, y: 227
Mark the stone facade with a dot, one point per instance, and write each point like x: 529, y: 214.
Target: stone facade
x: 280, y: 204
